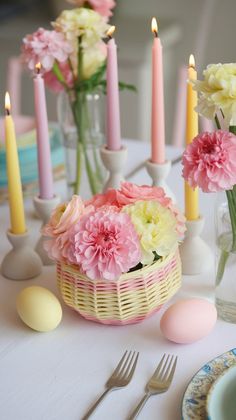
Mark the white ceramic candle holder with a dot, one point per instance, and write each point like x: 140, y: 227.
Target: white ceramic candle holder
x: 22, y: 262
x: 196, y: 255
x: 44, y: 209
x: 114, y: 162
x: 158, y: 173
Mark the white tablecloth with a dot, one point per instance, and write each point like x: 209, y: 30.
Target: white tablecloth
x: 58, y: 375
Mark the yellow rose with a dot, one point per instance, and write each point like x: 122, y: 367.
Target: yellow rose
x: 156, y: 228
x: 217, y: 91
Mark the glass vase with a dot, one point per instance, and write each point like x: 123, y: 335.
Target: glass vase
x: 225, y: 284
x: 83, y: 135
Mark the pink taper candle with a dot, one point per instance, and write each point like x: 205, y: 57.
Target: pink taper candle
x: 158, y: 117
x: 43, y: 143
x: 113, y: 106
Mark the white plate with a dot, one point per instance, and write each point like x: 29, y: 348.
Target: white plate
x: 221, y: 399
x: 195, y: 396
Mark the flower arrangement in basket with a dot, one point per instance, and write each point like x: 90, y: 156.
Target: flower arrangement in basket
x: 117, y: 254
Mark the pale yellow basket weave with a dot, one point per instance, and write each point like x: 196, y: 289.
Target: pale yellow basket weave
x: 130, y: 299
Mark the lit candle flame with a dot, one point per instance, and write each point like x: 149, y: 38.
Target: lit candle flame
x: 7, y: 103
x: 191, y: 61
x: 38, y: 67
x: 111, y: 31
x: 154, y: 26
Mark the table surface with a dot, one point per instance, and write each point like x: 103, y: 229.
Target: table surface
x: 58, y: 375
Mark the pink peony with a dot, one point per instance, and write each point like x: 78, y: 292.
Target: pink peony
x: 63, y: 218
x: 52, y: 81
x: 45, y: 47
x: 105, y: 244
x: 103, y: 7
x: 210, y: 161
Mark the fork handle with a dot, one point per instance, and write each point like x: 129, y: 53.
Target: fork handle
x: 139, y: 407
x: 94, y: 406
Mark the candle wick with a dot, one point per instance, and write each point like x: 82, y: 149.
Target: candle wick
x: 155, y: 34
x: 7, y: 111
x: 109, y: 37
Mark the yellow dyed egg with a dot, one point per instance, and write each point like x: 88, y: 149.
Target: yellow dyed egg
x: 39, y: 308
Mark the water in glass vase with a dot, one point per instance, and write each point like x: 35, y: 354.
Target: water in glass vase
x: 85, y: 173
x: 225, y: 285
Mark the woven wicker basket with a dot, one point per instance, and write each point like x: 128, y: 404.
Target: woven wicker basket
x: 130, y: 299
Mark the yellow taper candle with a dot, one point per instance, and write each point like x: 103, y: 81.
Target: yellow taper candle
x: 191, y: 196
x: 13, y: 174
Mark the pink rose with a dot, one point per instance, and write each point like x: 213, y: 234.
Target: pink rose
x: 210, y: 161
x: 63, y: 218
x: 130, y: 193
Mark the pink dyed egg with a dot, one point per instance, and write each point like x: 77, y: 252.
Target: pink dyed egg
x: 188, y: 320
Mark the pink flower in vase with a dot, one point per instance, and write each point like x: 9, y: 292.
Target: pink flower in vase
x: 52, y: 81
x: 103, y: 7
x: 104, y: 244
x: 210, y: 161
x: 45, y: 47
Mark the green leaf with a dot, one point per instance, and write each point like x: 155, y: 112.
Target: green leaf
x: 123, y: 86
x: 156, y: 256
x: 88, y: 85
x: 232, y: 129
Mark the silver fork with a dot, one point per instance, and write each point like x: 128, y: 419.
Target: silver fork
x: 159, y: 382
x: 121, y: 376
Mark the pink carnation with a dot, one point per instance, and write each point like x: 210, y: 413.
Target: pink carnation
x: 105, y: 244
x: 45, y: 47
x: 52, y: 81
x: 103, y: 7
x: 63, y: 218
x: 210, y: 161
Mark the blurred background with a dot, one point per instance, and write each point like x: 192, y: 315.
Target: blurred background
x: 204, y: 27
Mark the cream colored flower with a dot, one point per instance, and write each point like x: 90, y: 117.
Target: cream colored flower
x: 93, y: 58
x: 81, y: 22
x: 217, y: 91
x: 156, y: 228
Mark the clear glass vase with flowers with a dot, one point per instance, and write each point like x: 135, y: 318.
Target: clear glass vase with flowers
x: 73, y: 60
x: 209, y: 162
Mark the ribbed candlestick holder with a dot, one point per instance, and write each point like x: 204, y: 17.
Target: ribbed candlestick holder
x: 44, y: 209
x: 196, y: 255
x: 22, y: 262
x: 114, y: 161
x: 159, y: 172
